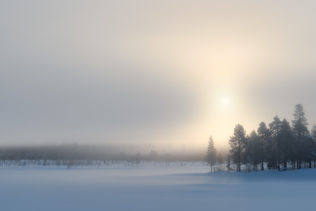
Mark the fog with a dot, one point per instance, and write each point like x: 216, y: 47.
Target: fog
x: 151, y: 73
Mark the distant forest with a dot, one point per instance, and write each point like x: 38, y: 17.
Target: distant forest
x: 280, y: 145
x: 75, y: 154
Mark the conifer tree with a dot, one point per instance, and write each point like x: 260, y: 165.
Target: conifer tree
x: 275, y: 128
x: 211, y: 154
x: 286, y: 143
x: 253, y: 149
x: 301, y: 134
x: 265, y: 136
x: 237, y: 143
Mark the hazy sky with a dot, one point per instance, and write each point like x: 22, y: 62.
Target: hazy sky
x: 158, y: 72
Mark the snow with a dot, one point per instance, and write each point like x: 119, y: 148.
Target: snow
x: 154, y: 187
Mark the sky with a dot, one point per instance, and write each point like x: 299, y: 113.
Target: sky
x: 168, y: 73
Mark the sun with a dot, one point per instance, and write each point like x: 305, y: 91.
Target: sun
x: 225, y: 101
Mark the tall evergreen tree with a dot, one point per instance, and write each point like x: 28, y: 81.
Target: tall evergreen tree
x: 253, y: 149
x: 301, y: 134
x: 211, y: 154
x: 274, y: 154
x: 237, y: 143
x: 300, y: 122
x: 313, y: 132
x: 286, y: 143
x: 265, y: 136
x: 313, y: 136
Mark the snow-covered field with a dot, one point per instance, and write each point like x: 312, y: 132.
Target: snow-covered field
x: 154, y: 187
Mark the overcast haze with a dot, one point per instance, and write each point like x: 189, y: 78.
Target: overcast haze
x: 163, y: 72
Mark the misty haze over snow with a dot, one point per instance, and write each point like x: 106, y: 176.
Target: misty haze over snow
x: 167, y: 72
x: 157, y: 105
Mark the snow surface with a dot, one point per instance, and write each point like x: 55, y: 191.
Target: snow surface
x: 154, y: 187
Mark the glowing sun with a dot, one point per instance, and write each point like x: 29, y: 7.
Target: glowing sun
x: 225, y: 101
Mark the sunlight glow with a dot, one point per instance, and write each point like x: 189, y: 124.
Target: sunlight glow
x: 225, y: 101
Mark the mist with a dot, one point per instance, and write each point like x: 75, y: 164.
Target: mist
x: 151, y: 73
x: 157, y: 105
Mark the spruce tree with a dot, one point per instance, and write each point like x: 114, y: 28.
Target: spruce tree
x: 264, y: 135
x: 237, y: 143
x: 286, y: 143
x: 300, y: 122
x: 313, y: 136
x: 275, y: 128
x: 301, y: 134
x: 253, y: 149
x: 211, y: 154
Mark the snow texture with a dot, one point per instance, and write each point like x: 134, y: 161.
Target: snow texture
x: 154, y: 187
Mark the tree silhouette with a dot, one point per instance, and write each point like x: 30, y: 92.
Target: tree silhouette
x: 278, y: 146
x: 211, y: 154
x: 237, y: 143
x: 265, y: 136
x: 301, y: 134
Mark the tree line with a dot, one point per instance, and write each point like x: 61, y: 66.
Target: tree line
x: 278, y: 145
x: 75, y: 154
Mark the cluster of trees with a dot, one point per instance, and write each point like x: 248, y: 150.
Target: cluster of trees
x: 74, y: 154
x: 280, y: 145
